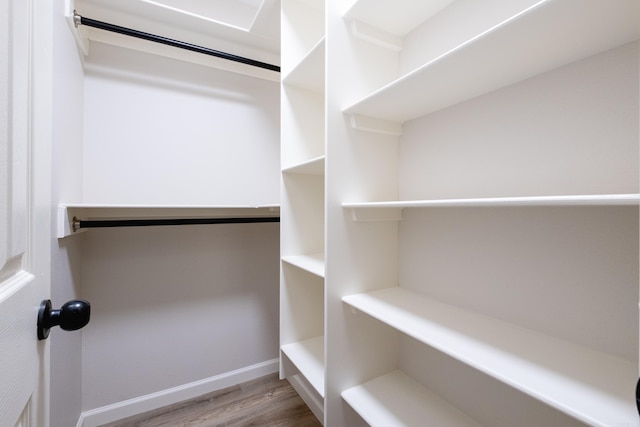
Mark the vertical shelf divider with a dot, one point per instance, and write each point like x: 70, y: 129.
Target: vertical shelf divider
x: 302, y: 305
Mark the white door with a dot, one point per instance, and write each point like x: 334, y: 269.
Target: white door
x: 25, y: 230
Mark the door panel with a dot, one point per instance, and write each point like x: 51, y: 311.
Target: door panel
x: 18, y: 352
x: 24, y: 256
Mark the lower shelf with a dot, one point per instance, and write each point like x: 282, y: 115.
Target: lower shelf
x: 308, y: 357
x: 313, y: 263
x: 591, y: 386
x: 396, y: 400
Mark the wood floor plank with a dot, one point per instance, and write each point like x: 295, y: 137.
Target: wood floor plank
x: 264, y: 402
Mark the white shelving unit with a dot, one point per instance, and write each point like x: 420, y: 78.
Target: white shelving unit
x: 302, y: 198
x: 510, y: 51
x: 588, y: 385
x: 481, y: 213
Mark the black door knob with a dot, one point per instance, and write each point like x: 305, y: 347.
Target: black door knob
x: 72, y: 316
x: 638, y: 395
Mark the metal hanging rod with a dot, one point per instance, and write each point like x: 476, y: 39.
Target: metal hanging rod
x: 78, y: 224
x: 81, y: 20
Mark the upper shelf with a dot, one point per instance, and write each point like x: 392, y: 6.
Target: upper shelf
x: 392, y: 210
x: 250, y: 31
x: 67, y: 213
x: 513, y: 50
x: 591, y: 386
x: 309, y: 73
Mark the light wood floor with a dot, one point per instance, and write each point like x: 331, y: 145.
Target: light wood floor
x: 265, y: 402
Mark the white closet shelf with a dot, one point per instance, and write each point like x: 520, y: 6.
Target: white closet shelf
x: 310, y: 167
x: 313, y: 263
x: 593, y: 387
x: 395, y: 399
x: 397, y: 17
x: 67, y: 212
x: 509, y: 52
x: 308, y: 357
x: 309, y: 73
x: 392, y: 210
x: 189, y: 26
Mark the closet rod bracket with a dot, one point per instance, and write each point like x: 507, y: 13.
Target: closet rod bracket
x: 75, y: 224
x: 77, y: 19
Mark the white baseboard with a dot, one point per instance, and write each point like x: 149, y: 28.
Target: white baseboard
x: 309, y: 395
x: 127, y: 408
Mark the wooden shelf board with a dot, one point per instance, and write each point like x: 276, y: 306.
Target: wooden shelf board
x: 309, y: 73
x: 593, y: 387
x: 310, y: 167
x: 395, y: 399
x: 509, y: 52
x: 308, y: 357
x: 313, y: 263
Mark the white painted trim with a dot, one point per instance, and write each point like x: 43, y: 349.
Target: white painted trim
x: 149, y: 402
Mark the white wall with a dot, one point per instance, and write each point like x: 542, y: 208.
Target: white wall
x: 173, y: 305
x: 546, y: 135
x: 169, y: 305
x: 161, y: 131
x: 66, y: 347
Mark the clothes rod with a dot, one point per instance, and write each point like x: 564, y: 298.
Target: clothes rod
x: 81, y: 20
x: 80, y: 224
